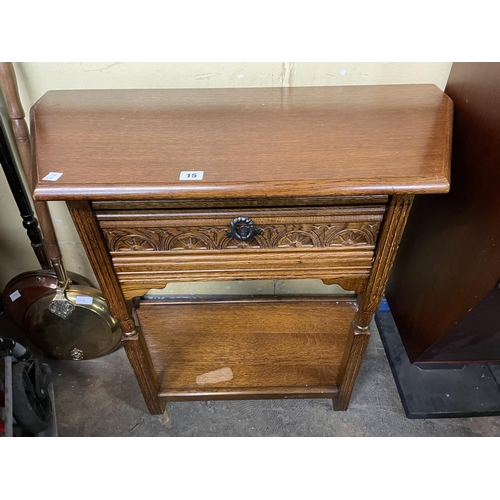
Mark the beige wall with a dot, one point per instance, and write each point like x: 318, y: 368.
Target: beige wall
x: 35, y: 79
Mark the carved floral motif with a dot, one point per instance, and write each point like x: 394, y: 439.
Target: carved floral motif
x: 137, y: 241
x: 298, y: 239
x: 189, y: 241
x: 350, y: 237
x: 353, y: 234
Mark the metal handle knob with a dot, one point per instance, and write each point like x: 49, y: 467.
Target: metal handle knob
x: 243, y: 228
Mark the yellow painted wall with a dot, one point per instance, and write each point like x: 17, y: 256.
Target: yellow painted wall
x: 35, y: 79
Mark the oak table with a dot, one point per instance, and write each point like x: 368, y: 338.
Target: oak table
x: 238, y: 184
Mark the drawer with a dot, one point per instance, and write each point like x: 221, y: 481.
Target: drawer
x: 155, y: 247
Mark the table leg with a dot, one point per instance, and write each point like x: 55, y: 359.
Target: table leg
x: 133, y: 340
x: 388, y: 243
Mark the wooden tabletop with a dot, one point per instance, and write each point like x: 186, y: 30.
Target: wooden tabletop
x: 251, y: 142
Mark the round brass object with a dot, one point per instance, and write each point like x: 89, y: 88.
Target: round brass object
x: 90, y: 328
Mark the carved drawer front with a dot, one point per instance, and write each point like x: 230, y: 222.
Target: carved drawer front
x: 161, y: 246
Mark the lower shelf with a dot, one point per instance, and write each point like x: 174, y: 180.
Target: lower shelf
x: 247, y: 349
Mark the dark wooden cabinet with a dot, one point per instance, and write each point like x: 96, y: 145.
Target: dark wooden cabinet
x: 224, y: 184
x: 443, y: 291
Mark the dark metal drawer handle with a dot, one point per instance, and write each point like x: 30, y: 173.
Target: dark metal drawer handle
x: 243, y: 228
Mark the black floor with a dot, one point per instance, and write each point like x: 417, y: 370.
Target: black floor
x: 443, y: 390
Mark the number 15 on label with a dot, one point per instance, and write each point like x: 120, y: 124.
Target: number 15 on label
x: 191, y: 175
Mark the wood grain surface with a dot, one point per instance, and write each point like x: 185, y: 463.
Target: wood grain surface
x: 369, y: 301
x: 8, y: 84
x: 138, y: 355
x: 135, y: 270
x: 254, y: 346
x: 88, y: 229
x: 260, y: 142
x: 210, y: 203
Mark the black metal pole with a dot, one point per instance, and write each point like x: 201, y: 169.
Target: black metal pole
x: 30, y: 222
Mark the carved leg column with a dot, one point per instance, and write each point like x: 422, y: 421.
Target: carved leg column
x: 388, y: 243
x: 133, y: 339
